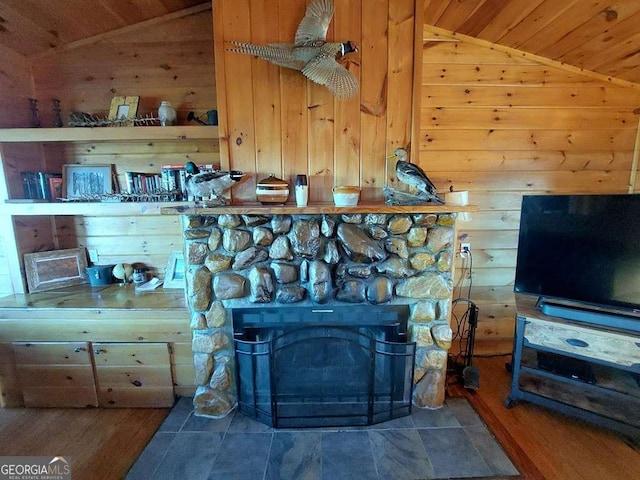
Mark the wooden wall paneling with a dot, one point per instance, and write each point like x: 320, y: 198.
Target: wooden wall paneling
x: 347, y: 155
x: 560, y: 160
x: 331, y: 141
x: 502, y: 125
x: 374, y: 97
x: 493, y: 74
x: 293, y: 101
x: 321, y: 135
x: 16, y: 86
x: 400, y: 71
x: 146, y: 62
x: 234, y: 23
x: 266, y: 92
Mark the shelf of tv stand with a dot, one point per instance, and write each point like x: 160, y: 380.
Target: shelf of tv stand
x: 580, y: 368
x: 108, y: 134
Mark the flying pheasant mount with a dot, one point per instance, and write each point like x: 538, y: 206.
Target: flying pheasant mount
x: 310, y: 53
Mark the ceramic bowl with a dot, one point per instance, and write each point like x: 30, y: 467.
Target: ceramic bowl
x: 346, y: 195
x: 272, y: 191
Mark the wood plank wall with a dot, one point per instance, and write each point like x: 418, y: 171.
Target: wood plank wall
x: 167, y: 60
x: 15, y: 91
x: 275, y: 121
x: 500, y: 126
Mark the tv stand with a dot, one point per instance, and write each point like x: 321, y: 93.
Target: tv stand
x: 578, y: 361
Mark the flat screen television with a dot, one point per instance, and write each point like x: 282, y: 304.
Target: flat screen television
x: 581, y: 248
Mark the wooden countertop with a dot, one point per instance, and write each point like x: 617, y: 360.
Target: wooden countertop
x: 85, y: 297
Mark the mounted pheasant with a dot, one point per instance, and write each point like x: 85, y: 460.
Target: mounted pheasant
x: 311, y: 54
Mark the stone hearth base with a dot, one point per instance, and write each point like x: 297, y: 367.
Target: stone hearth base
x: 451, y: 442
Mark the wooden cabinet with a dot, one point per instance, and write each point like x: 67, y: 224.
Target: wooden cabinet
x: 133, y: 374
x: 61, y: 374
x: 55, y: 374
x: 100, y: 346
x: 577, y: 367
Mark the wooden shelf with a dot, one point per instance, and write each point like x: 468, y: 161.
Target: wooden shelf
x: 103, y: 209
x: 314, y: 209
x: 107, y: 134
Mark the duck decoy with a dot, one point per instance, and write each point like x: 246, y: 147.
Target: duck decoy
x: 210, y: 185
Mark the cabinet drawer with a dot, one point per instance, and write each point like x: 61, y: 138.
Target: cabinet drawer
x: 55, y: 375
x: 134, y: 354
x: 160, y: 397
x: 133, y: 374
x: 50, y: 353
x: 135, y: 377
x: 612, y: 347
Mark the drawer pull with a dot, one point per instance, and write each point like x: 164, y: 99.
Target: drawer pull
x: 576, y: 342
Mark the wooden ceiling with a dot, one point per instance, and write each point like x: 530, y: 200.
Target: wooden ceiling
x: 597, y: 35
x: 32, y: 27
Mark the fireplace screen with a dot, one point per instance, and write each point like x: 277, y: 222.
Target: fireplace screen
x: 305, y: 367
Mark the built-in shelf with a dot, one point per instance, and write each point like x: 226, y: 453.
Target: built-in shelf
x: 107, y: 134
x: 314, y: 209
x: 93, y: 209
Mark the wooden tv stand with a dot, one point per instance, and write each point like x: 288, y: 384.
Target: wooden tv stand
x: 578, y: 367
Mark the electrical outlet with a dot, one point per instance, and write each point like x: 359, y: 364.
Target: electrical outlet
x: 464, y: 249
x: 93, y: 255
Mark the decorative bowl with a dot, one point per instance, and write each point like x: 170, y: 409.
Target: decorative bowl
x: 272, y: 191
x: 346, y: 195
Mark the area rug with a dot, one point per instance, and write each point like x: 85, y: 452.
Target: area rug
x: 451, y: 442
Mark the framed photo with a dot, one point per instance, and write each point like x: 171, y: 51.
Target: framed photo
x: 55, y: 269
x: 87, y: 180
x: 174, y: 273
x: 123, y: 108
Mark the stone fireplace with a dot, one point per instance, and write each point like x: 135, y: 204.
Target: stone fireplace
x: 237, y: 259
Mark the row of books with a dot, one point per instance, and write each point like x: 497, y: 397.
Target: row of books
x: 41, y: 185
x: 172, y: 179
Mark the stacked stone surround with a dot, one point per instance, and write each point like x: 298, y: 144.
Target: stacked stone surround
x: 235, y: 260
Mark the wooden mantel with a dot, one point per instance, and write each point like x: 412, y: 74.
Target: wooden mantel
x: 315, y: 209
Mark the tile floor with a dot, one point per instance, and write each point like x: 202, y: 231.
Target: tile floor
x: 451, y: 442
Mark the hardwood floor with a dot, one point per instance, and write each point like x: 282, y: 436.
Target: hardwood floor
x: 544, y: 444
x: 104, y: 443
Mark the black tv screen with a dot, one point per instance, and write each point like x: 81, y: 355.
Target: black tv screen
x: 582, y: 248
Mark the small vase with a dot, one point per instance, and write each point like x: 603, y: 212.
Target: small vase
x: 166, y: 114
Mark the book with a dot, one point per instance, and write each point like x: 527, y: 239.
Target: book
x: 55, y: 187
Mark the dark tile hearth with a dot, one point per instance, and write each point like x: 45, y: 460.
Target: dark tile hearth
x: 451, y: 442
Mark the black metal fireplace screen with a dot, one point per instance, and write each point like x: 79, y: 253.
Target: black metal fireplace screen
x: 306, y: 367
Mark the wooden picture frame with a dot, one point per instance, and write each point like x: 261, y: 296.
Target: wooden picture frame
x: 55, y: 269
x: 124, y: 108
x: 87, y: 181
x: 174, y: 274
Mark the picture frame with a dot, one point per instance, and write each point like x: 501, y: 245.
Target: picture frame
x: 55, y: 269
x: 124, y: 108
x: 86, y: 181
x: 174, y: 274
